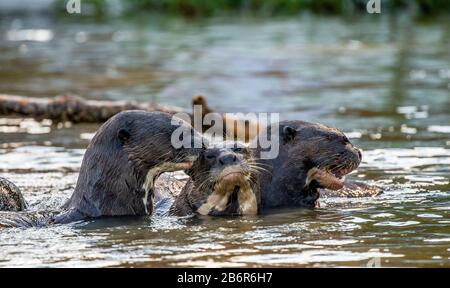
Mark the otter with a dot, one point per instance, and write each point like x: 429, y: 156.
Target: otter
x: 120, y: 165
x: 311, y: 157
x: 312, y: 161
x: 330, y: 142
x: 223, y: 182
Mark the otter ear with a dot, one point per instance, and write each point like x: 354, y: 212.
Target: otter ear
x: 123, y: 135
x: 288, y: 133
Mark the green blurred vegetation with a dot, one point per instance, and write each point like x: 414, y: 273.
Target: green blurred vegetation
x: 200, y: 8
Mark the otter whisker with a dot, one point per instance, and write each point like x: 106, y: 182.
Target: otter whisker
x: 323, y: 162
x: 259, y: 171
x: 259, y: 164
x: 255, y: 166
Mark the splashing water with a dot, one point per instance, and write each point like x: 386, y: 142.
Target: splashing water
x: 383, y: 83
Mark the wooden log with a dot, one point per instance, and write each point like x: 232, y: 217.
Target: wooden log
x: 234, y: 128
x: 73, y: 108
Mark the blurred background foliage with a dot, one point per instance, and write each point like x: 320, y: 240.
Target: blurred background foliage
x: 204, y: 8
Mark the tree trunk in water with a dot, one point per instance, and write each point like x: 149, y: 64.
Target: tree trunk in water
x: 73, y: 108
x: 78, y: 110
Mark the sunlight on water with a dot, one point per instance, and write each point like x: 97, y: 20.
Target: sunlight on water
x: 389, y: 91
x: 344, y: 234
x: 39, y: 35
x: 41, y: 158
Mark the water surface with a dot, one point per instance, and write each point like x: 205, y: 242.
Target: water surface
x: 385, y: 82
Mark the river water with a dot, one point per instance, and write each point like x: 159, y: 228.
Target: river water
x: 383, y: 81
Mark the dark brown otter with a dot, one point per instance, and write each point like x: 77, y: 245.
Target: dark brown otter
x: 224, y: 182
x: 119, y: 169
x: 311, y: 156
x: 121, y: 163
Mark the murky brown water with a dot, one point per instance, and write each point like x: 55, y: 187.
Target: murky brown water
x: 385, y: 82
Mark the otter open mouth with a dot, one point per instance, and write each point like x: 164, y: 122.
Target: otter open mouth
x: 332, y: 179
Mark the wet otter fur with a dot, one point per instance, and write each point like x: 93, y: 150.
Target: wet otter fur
x: 312, y: 156
x: 244, y: 131
x: 121, y: 163
x: 223, y: 182
x: 118, y: 170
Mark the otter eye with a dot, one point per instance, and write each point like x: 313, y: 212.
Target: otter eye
x: 123, y: 135
x: 210, y: 157
x: 345, y: 140
x: 242, y: 150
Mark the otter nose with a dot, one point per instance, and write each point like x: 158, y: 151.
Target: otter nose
x: 227, y: 159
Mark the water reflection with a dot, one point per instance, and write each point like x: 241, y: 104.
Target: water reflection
x: 383, y: 81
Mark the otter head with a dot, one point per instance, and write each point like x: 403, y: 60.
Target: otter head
x: 224, y: 181
x: 311, y: 156
x: 123, y: 160
x: 156, y: 139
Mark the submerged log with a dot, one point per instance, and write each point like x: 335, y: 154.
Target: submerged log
x: 73, y: 108
x: 11, y: 198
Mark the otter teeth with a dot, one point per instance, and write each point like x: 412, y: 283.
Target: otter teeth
x: 340, y: 177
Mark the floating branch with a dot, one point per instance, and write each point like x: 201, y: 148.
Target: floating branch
x: 78, y: 110
x: 73, y: 108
